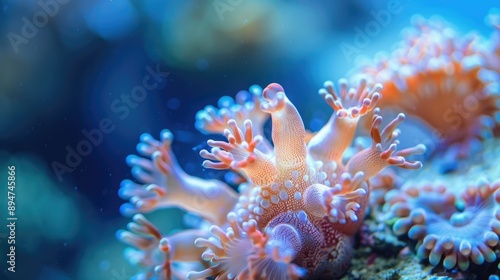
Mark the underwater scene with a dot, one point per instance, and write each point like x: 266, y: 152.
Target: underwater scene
x: 249, y: 139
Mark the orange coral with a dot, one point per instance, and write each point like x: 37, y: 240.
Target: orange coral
x: 333, y: 195
x: 429, y: 214
x: 440, y: 78
x: 301, y: 202
x: 163, y: 183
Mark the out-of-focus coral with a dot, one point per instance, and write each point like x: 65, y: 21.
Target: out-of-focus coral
x: 246, y: 106
x: 443, y: 79
x: 493, y: 53
x: 453, y: 214
x: 460, y: 228
x: 296, y: 213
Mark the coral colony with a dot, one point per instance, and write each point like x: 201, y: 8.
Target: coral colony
x: 302, y: 199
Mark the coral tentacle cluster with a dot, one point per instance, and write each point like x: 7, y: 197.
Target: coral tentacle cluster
x: 454, y: 221
x: 460, y: 234
x: 299, y: 207
x: 302, y: 196
x: 441, y: 78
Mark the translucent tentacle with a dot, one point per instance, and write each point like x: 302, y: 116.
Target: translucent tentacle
x: 240, y: 153
x: 247, y: 253
x: 383, y: 152
x: 336, y: 136
x: 430, y: 215
x: 165, y: 184
x: 246, y: 105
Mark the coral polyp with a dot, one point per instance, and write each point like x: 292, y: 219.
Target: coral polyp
x: 303, y: 196
x: 247, y: 253
x: 326, y: 197
x: 459, y: 228
x: 298, y: 209
x: 441, y: 78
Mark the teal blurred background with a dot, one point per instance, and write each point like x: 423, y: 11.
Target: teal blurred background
x: 71, y: 68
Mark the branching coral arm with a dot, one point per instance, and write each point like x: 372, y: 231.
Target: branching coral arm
x: 156, y: 251
x: 429, y: 214
x: 240, y: 153
x: 166, y: 184
x: 337, y: 135
x: 383, y: 152
x: 288, y: 130
x: 246, y: 105
x: 344, y: 204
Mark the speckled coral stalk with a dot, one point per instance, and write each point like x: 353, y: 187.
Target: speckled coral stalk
x: 296, y: 181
